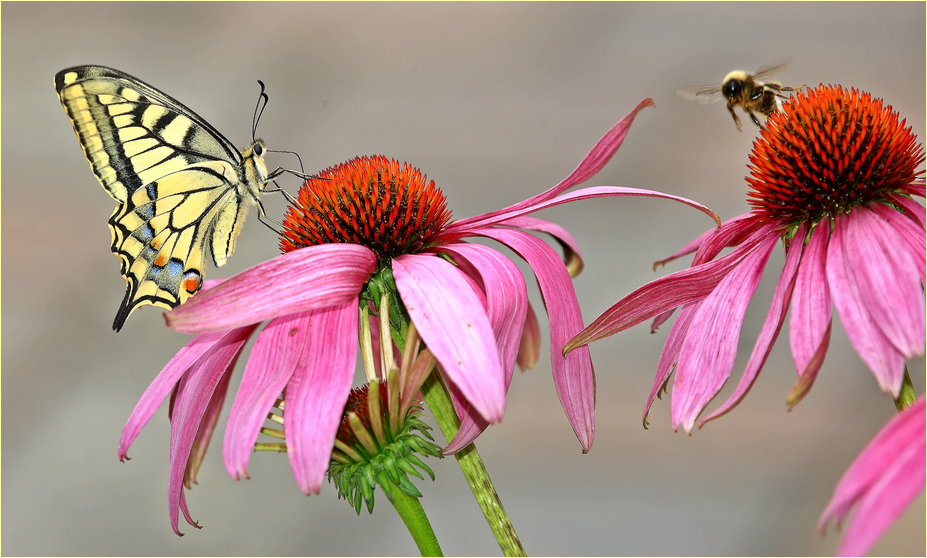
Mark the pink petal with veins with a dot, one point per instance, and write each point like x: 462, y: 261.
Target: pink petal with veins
x: 882, y: 482
x: 771, y: 327
x: 452, y: 321
x: 192, y: 400
x: 708, y: 353
x: 304, y: 279
x: 507, y: 308
x: 272, y: 362
x: 811, y: 304
x: 882, y: 358
x: 888, y: 280
x: 592, y: 163
x: 574, y: 377
x: 162, y: 386
x: 318, y: 390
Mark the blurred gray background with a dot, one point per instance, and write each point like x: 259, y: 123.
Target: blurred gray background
x: 495, y: 102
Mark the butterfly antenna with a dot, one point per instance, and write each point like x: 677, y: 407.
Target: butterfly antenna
x: 258, y: 110
x: 298, y: 158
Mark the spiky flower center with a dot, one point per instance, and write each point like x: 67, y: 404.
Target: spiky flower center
x: 827, y: 151
x: 372, y: 201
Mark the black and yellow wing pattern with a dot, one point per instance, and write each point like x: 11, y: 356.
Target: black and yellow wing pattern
x: 180, y: 185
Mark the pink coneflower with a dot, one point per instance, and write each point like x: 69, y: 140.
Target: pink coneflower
x: 363, y: 228
x: 832, y: 178
x: 882, y: 481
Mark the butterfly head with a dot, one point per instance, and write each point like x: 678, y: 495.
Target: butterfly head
x: 253, y: 165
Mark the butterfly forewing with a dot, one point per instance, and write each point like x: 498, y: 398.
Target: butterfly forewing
x: 179, y: 183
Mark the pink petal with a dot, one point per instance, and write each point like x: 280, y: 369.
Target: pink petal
x: 317, y: 392
x: 199, y: 386
x: 670, y: 355
x: 270, y: 366
x: 888, y: 279
x: 811, y: 305
x: 882, y: 358
x: 730, y: 233
x: 669, y: 292
x: 571, y: 255
x: 805, y: 381
x: 162, y: 386
x: 207, y: 427
x: 910, y: 230
x: 458, y: 229
x: 708, y: 353
x: 453, y: 323
x: 771, y: 326
x: 308, y: 278
x: 574, y: 377
x: 507, y: 308
x: 592, y: 163
x: 882, y: 482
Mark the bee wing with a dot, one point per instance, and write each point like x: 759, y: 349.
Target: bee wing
x: 769, y: 71
x: 705, y: 94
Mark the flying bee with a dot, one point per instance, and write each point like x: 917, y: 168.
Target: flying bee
x: 750, y: 91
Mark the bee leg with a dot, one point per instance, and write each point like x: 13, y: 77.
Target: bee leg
x: 736, y: 118
x: 756, y: 120
x: 793, y: 88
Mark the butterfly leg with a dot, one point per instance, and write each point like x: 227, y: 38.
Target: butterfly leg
x: 267, y: 220
x: 277, y: 188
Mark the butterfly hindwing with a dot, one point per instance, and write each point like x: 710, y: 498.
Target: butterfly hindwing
x: 180, y: 184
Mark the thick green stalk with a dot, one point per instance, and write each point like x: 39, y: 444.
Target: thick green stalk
x: 413, y: 515
x: 439, y: 402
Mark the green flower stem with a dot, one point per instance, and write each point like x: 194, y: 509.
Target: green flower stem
x: 439, y: 402
x: 906, y: 396
x: 413, y: 515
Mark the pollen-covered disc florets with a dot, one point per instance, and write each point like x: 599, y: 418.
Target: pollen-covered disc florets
x: 827, y: 151
x: 373, y: 201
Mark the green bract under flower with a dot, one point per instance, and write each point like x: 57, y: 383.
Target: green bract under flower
x: 368, y: 454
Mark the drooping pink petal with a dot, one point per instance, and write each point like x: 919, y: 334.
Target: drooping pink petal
x: 453, y: 323
x: 882, y: 482
x: 304, y: 279
x: 200, y: 384
x: 592, y: 163
x: 459, y: 228
x: 162, y: 386
x: 670, y: 355
x: 708, y: 353
x: 574, y: 377
x: 271, y: 364
x: 207, y: 427
x: 888, y: 279
x: 882, y: 358
x: 317, y: 392
x: 730, y: 232
x: 666, y: 293
x: 507, y: 308
x: 914, y: 210
x: 911, y: 232
x: 811, y: 304
x: 572, y: 258
x: 529, y: 350
x: 918, y: 188
x: 806, y: 380
x: 771, y: 326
